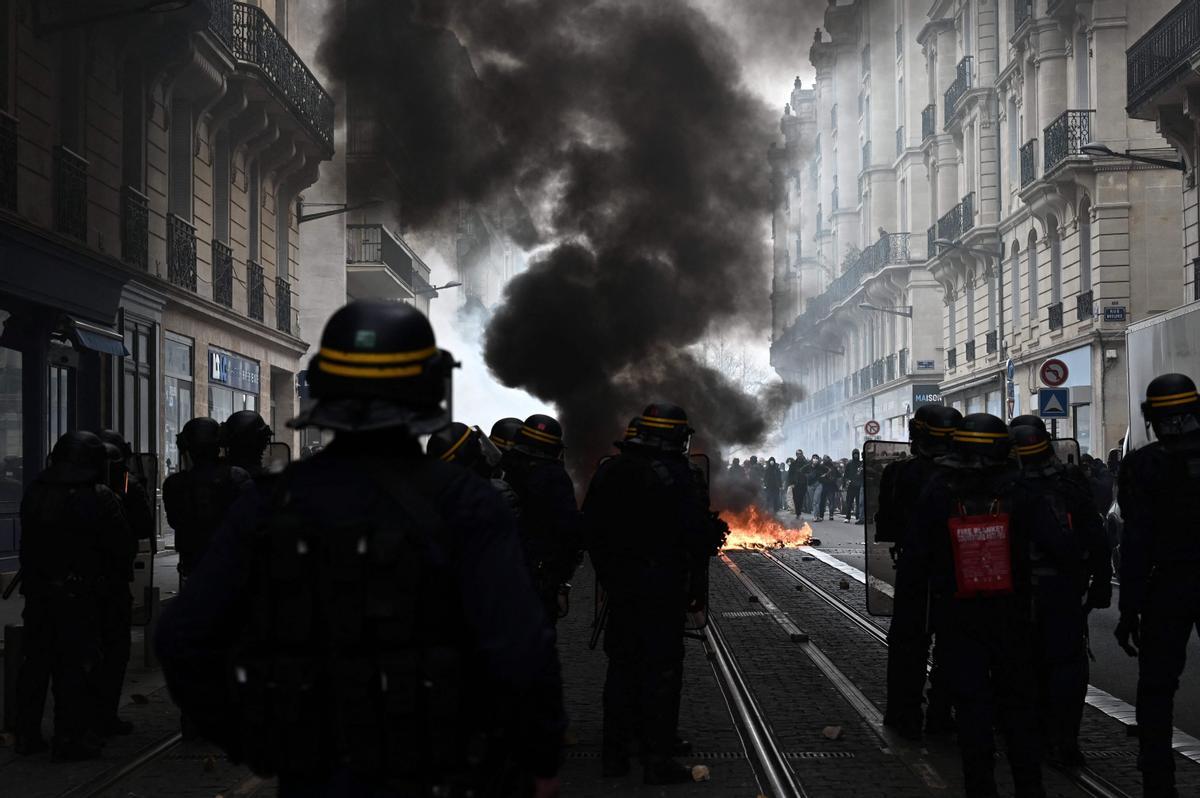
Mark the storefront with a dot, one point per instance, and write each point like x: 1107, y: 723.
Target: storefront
x: 234, y: 383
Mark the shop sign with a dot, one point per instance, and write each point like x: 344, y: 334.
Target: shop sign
x: 236, y: 372
x: 925, y: 365
x: 926, y: 395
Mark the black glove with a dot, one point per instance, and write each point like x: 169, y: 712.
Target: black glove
x: 1099, y: 596
x: 1129, y: 628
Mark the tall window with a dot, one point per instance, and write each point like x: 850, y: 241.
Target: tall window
x: 952, y: 323
x: 178, y: 393
x: 1085, y: 246
x: 1033, y: 277
x: 994, y: 284
x: 133, y: 126
x: 1082, y: 70
x: 137, y: 392
x: 254, y: 200
x: 179, y: 199
x: 221, y: 184
x: 1055, y: 261
x: 970, y: 336
x: 71, y: 83
x: 1015, y: 266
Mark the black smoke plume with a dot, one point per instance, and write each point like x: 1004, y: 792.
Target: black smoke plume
x: 625, y: 130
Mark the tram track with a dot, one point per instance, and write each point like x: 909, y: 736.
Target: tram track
x: 1083, y: 778
x: 105, y: 781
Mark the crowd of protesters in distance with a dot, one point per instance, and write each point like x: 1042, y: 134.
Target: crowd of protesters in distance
x: 818, y: 485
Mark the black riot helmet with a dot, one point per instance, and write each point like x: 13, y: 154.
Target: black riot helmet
x: 115, y: 438
x: 931, y: 428
x: 465, y: 446
x: 665, y: 426
x: 1028, y: 421
x: 504, y: 433
x: 200, y: 440
x: 378, y: 367
x: 1172, y: 406
x: 116, y: 474
x: 540, y: 436
x: 79, y: 457
x: 1032, y: 447
x: 633, y: 428
x: 246, y: 432
x: 982, y: 435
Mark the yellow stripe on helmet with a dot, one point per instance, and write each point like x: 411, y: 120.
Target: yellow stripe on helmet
x: 670, y: 421
x: 982, y: 437
x: 501, y: 443
x: 449, y: 453
x: 368, y: 373
x: 377, y: 358
x: 1174, y: 399
x: 538, y: 435
x: 1034, y: 448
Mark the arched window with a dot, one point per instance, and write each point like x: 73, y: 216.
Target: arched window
x: 1015, y: 266
x: 1032, y: 257
x: 1085, y: 246
x: 1055, y: 260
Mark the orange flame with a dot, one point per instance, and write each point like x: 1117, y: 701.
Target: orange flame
x: 755, y: 529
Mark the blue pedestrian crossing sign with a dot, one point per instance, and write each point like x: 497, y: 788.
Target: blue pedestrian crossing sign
x: 1054, y: 402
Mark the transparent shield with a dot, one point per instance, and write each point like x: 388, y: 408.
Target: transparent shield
x: 881, y: 569
x: 1067, y: 450
x: 276, y: 457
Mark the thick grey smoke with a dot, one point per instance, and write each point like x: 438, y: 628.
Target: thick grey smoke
x: 626, y: 130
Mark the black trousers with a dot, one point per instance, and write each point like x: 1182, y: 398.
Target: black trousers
x: 989, y: 661
x: 114, y: 619
x: 851, y: 503
x: 644, y: 644
x: 61, y: 649
x: 909, y: 638
x: 1170, y: 614
x: 799, y: 494
x: 1060, y: 625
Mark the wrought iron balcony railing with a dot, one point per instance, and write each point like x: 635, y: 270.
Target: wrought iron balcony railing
x: 1028, y: 162
x: 951, y: 358
x: 1164, y: 54
x: 890, y: 367
x: 958, y: 88
x: 8, y: 162
x: 967, y: 210
x: 254, y: 291
x: 1064, y: 138
x: 135, y: 228
x: 181, y: 252
x: 283, y: 305
x: 1083, y: 306
x: 904, y: 362
x: 931, y: 248
x: 957, y: 221
x: 1055, y: 316
x: 255, y: 41
x: 928, y: 122
x: 877, y: 373
x: 899, y: 141
x: 1022, y: 12
x: 70, y: 193
x: 991, y: 343
x: 222, y: 269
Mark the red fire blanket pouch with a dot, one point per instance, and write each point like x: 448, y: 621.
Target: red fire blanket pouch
x: 982, y: 559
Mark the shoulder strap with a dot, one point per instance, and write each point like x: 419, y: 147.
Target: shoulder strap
x: 409, y: 488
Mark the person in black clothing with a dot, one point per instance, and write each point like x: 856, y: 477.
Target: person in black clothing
x: 914, y: 617
x: 550, y: 524
x: 470, y: 448
x: 198, y: 498
x: 828, y: 476
x: 245, y: 437
x: 1071, y: 574
x: 852, y: 480
x: 773, y: 483
x: 797, y: 480
x: 650, y: 537
x: 114, y: 602
x: 975, y: 528
x: 1160, y: 565
x: 368, y: 626
x: 72, y: 525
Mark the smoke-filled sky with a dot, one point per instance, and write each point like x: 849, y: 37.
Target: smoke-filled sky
x: 632, y: 135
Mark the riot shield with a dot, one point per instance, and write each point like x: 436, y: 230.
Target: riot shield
x: 1067, y: 450
x: 276, y: 457
x: 881, y: 568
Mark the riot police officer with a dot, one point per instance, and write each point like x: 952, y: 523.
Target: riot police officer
x: 368, y: 625
x: 471, y: 449
x: 504, y: 433
x: 198, y: 497
x: 650, y: 536
x: 551, y: 526
x: 114, y: 602
x: 1071, y: 574
x: 245, y: 437
x: 70, y: 522
x: 976, y: 528
x: 1160, y: 565
x: 910, y: 633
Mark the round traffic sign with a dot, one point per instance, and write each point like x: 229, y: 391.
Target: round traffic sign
x: 871, y: 427
x: 1053, y: 373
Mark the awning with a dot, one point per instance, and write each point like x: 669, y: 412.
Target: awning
x: 97, y: 339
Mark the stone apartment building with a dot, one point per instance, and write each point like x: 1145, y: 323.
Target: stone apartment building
x: 1022, y: 246
x: 151, y: 161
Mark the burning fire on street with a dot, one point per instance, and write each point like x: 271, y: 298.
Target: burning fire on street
x: 755, y: 529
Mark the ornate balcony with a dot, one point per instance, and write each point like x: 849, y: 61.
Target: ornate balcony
x: 1055, y: 315
x: 991, y: 343
x: 928, y: 122
x: 1163, y: 55
x: 1022, y: 12
x: 890, y: 367
x: 957, y: 89
x: 255, y: 42
x: 283, y: 305
x: 1028, y: 162
x: 957, y: 221
x: 181, y: 252
x: 904, y: 362
x: 135, y: 228
x: 222, y: 269
x: 70, y: 194
x: 967, y: 211
x: 1064, y: 138
x: 931, y: 248
x: 951, y: 358
x: 8, y: 162
x: 1083, y: 306
x: 254, y: 291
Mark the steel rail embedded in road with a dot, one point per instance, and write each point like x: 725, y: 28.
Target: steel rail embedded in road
x: 1084, y: 777
x: 114, y: 776
x: 775, y: 776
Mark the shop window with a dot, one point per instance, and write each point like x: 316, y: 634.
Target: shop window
x: 178, y: 394
x: 60, y: 405
x: 136, y: 405
x: 11, y: 429
x: 233, y: 384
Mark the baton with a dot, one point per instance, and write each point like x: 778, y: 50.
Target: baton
x: 8, y: 591
x: 599, y: 624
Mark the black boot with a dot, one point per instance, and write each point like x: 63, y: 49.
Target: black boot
x: 665, y: 771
